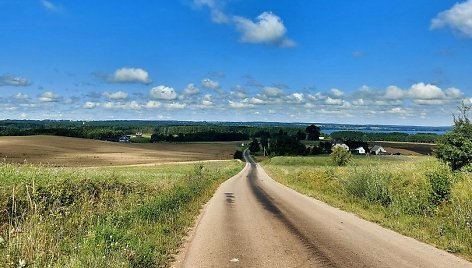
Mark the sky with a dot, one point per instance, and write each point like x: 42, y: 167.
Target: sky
x: 352, y: 62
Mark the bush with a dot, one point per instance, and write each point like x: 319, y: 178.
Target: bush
x: 455, y: 148
x: 340, y: 156
x: 440, y: 186
x: 370, y: 186
x: 238, y: 155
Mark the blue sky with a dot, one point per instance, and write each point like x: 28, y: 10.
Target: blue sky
x: 363, y: 61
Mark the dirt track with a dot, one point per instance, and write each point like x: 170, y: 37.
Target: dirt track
x: 253, y: 221
x: 64, y: 151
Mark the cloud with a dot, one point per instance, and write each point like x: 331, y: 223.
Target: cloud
x: 358, y: 102
x: 239, y: 105
x: 272, y: 92
x: 394, y: 93
x: 21, y: 96
x: 216, y: 9
x: 331, y: 101
x: 458, y: 18
x: 51, y: 6
x: 129, y: 75
x: 130, y: 105
x: 163, y: 93
x: 424, y: 91
x: 49, y: 96
x: 267, y: 29
x: 118, y: 95
x: 210, y: 84
x: 91, y: 104
x: 152, y: 105
x: 175, y: 106
x: 207, y: 100
x: 191, y: 89
x: 297, y: 97
x: 14, y: 81
x: 336, y: 92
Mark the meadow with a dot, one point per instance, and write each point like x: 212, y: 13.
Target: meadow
x: 415, y: 195
x: 102, y: 216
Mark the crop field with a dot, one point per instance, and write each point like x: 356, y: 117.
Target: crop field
x: 101, y: 217
x: 64, y: 151
x: 414, y: 195
x: 406, y: 148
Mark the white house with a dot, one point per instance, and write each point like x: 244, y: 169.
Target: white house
x: 377, y: 150
x: 359, y: 150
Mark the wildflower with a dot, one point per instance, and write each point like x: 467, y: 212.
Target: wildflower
x: 21, y: 263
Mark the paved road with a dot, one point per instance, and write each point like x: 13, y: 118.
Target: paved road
x: 253, y: 221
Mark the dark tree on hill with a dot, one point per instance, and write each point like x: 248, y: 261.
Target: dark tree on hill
x: 301, y: 135
x: 313, y: 133
x: 287, y: 145
x: 455, y: 147
x: 254, y: 146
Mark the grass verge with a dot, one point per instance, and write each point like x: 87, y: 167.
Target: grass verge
x: 115, y: 217
x: 416, y: 196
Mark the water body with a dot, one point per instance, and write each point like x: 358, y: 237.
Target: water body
x: 330, y: 128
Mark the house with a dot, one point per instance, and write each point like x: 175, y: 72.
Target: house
x: 359, y: 150
x: 139, y: 134
x: 377, y: 150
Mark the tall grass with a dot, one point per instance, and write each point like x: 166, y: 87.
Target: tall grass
x: 417, y: 196
x: 115, y: 217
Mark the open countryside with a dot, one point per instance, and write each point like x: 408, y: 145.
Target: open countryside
x: 218, y: 133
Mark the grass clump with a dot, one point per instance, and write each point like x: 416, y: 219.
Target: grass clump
x: 116, y: 217
x: 417, y: 196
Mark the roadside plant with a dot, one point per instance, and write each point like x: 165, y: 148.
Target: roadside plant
x: 340, y: 156
x: 455, y: 147
x: 440, y: 185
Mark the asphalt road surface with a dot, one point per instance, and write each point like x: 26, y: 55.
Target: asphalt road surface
x: 253, y: 221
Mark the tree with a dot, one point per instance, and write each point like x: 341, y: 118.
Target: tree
x: 254, y: 146
x: 313, y: 133
x: 455, y: 147
x: 238, y: 154
x: 340, y: 156
x: 301, y: 135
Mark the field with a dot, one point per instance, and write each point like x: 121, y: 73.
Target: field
x: 414, y: 195
x: 405, y: 148
x: 101, y: 217
x: 64, y: 151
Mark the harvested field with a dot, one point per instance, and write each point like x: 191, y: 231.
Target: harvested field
x: 65, y: 151
x: 405, y: 148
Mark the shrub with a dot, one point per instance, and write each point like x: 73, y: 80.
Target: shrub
x: 440, y: 186
x: 238, y: 155
x: 340, y: 156
x: 370, y: 186
x: 455, y: 148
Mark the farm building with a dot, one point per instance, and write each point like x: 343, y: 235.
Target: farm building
x: 378, y: 150
x: 359, y: 150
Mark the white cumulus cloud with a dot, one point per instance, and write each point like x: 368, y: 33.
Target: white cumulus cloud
x: 118, y: 95
x: 267, y: 29
x: 458, y: 18
x: 91, y: 104
x: 208, y: 83
x: 130, y: 75
x: 163, y: 93
x: 49, y: 96
x: 175, y: 106
x: 152, y: 105
x: 191, y: 89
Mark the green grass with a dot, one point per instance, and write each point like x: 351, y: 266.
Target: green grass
x: 393, y: 191
x: 114, y: 217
